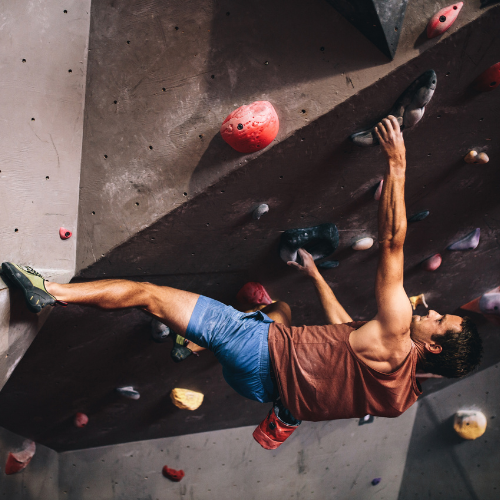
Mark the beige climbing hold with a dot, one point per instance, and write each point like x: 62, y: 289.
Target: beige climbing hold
x: 363, y: 244
x: 469, y: 424
x: 417, y: 300
x: 186, y: 399
x: 475, y: 157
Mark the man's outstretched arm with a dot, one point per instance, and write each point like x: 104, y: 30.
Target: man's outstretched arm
x: 334, y: 312
x: 394, y: 309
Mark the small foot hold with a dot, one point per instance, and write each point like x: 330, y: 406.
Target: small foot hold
x: 260, y: 211
x: 488, y: 79
x: 469, y: 242
x: 320, y: 241
x: 432, y: 263
x: 469, y: 424
x: 186, y: 399
x: 159, y: 332
x: 378, y: 191
x: 19, y: 460
x: 367, y: 419
x: 376, y: 480
x: 172, y: 474
x: 474, y: 157
x: 419, y: 216
x: 418, y: 300
x: 363, y: 244
x: 442, y: 20
x: 129, y: 392
x: 81, y: 420
x: 65, y: 234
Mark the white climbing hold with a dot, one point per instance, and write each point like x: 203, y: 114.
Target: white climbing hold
x: 469, y: 424
x: 363, y: 244
x: 260, y: 211
x: 128, y: 392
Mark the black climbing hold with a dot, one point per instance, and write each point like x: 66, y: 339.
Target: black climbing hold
x: 367, y: 419
x: 419, y: 216
x: 320, y: 241
x: 240, y: 126
x: 376, y: 20
x: 329, y: 264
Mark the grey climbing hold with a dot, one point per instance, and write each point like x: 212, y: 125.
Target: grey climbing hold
x: 489, y: 303
x: 329, y: 264
x: 159, y: 332
x: 469, y: 242
x: 320, y: 241
x: 419, y: 216
x: 367, y: 419
x: 260, y: 211
x: 363, y: 244
x: 408, y: 109
x: 128, y: 392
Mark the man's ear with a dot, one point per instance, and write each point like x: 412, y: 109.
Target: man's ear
x: 433, y: 348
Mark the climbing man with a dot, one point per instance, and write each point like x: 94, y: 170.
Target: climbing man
x: 344, y: 369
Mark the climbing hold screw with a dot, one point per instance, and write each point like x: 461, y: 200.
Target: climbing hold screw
x: 240, y: 126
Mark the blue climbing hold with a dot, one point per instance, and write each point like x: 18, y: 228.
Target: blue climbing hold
x: 469, y: 242
x: 329, y: 264
x: 128, y: 392
x: 419, y: 216
x: 159, y: 332
x: 376, y: 481
x: 489, y: 303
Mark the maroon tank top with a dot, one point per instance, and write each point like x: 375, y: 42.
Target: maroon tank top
x: 319, y: 376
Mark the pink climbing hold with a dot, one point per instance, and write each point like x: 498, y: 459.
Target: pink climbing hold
x: 18, y: 461
x: 378, y: 192
x: 172, y: 474
x: 253, y: 294
x: 432, y: 263
x: 251, y: 127
x: 81, y: 420
x: 65, y: 234
x: 443, y: 19
x: 488, y: 79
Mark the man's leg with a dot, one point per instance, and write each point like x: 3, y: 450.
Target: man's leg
x: 171, y: 306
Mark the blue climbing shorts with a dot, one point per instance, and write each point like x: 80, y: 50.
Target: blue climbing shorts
x: 239, y: 341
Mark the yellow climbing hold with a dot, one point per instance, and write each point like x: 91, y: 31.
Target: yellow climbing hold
x: 417, y: 300
x: 186, y: 399
x: 470, y: 424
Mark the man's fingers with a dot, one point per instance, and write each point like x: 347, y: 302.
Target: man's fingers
x: 381, y: 130
x: 291, y: 263
x: 395, y: 123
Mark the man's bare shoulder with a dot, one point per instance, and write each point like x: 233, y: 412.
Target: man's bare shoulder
x: 379, y: 351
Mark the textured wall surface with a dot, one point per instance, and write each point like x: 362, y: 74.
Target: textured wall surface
x: 39, y: 481
x: 334, y: 460
x: 43, y: 59
x: 440, y: 464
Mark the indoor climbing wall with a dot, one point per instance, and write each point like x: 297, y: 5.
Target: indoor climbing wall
x: 43, y: 56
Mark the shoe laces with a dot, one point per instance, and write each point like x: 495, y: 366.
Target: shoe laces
x: 30, y: 270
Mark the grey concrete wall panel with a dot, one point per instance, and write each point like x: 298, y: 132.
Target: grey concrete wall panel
x: 440, y: 464
x: 166, y: 74
x: 39, y: 481
x: 82, y: 354
x: 43, y: 55
x: 334, y: 460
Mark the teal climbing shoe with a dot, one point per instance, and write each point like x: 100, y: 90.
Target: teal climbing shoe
x: 180, y: 352
x: 31, y: 283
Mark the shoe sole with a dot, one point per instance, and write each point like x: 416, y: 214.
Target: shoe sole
x: 19, y: 280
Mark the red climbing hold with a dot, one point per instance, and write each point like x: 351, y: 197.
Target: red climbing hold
x: 489, y: 79
x: 18, y: 461
x: 251, y: 127
x: 253, y: 294
x: 432, y: 263
x: 172, y: 474
x: 81, y: 420
x: 64, y: 233
x: 443, y: 19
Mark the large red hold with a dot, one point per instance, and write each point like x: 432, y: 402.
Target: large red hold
x: 253, y: 294
x: 443, y: 19
x: 251, y: 127
x: 172, y: 474
x: 488, y: 79
x: 18, y: 461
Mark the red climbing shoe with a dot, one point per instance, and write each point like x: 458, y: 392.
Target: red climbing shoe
x: 272, y: 432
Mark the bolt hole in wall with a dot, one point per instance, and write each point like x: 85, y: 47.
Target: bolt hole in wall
x: 32, y: 119
x: 16, y: 230
x: 150, y: 147
x: 70, y: 71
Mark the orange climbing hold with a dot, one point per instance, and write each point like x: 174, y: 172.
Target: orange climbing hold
x: 443, y: 19
x: 172, y: 474
x: 489, y: 79
x: 251, y: 127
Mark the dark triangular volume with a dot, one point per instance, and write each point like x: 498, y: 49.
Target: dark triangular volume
x: 379, y: 20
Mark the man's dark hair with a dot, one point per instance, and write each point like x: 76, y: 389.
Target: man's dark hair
x: 461, y: 352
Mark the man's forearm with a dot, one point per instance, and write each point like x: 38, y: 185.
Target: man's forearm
x: 334, y: 312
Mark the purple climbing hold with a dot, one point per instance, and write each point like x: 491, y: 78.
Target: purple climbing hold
x: 432, y: 263
x: 469, y: 242
x: 419, y: 216
x: 489, y: 303
x: 376, y: 481
x: 378, y: 192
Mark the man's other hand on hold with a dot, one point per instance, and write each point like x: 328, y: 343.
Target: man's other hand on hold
x: 391, y: 139
x: 309, y: 267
